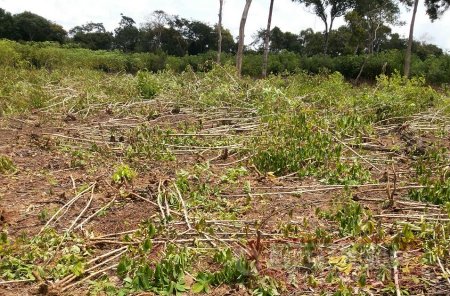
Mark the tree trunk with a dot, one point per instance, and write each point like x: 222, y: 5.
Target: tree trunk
x: 266, y: 41
x: 240, y: 51
x: 219, y: 29
x: 325, y: 49
x: 407, y: 66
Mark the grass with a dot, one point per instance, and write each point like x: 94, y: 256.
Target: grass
x: 204, y: 182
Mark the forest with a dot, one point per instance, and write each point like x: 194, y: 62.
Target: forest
x: 179, y: 162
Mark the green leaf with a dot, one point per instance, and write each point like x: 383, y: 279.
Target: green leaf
x: 197, y: 288
x: 147, y: 245
x: 151, y: 230
x: 78, y: 269
x: 123, y: 266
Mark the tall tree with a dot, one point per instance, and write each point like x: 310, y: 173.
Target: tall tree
x: 126, y: 35
x: 199, y: 36
x: 372, y: 16
x: 93, y: 36
x: 158, y: 22
x: 219, y: 32
x: 328, y: 11
x: 240, y: 51
x: 228, y: 42
x: 266, y: 40
x: 279, y: 41
x: 33, y: 27
x: 7, y: 26
x: 407, y: 66
x: 435, y: 8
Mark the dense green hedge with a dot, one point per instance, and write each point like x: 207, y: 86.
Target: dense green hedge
x: 436, y: 70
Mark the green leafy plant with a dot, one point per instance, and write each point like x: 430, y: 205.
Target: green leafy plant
x: 148, y: 84
x: 166, y: 277
x: 233, y: 174
x: 123, y: 173
x: 6, y: 165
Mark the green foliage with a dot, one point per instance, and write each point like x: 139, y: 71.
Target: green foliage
x: 6, y: 165
x: 435, y: 191
x: 299, y: 137
x: 433, y: 174
x: 54, y: 56
x: 348, y: 174
x: 235, y: 271
x: 400, y: 97
x: 32, y: 27
x: 22, y: 257
x: 164, y: 278
x: 233, y: 174
x: 149, y: 142
x: 352, y: 219
x: 123, y: 173
x: 148, y: 84
x: 307, y: 125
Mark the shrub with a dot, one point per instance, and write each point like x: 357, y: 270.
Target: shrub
x: 123, y: 173
x: 148, y: 84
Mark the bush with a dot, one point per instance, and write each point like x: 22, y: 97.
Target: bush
x: 148, y: 84
x: 48, y: 55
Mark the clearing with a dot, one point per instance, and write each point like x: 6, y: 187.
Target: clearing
x: 205, y: 182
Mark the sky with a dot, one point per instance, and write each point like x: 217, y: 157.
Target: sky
x: 287, y: 15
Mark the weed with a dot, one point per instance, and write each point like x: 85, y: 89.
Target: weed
x: 166, y: 277
x: 148, y: 84
x: 352, y: 219
x: 434, y: 174
x: 233, y: 174
x: 6, y: 165
x: 123, y: 174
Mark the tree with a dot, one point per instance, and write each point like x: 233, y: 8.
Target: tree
x: 240, y: 51
x: 157, y: 23
x: 435, y: 8
x: 328, y: 11
x: 33, y: 27
x: 172, y: 42
x: 126, y: 35
x: 312, y: 42
x: 228, y: 42
x: 368, y: 22
x: 219, y: 32
x: 279, y: 41
x: 407, y: 65
x: 266, y: 40
x: 199, y: 36
x: 7, y: 26
x: 93, y: 36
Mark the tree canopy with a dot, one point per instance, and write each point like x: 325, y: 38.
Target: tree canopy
x: 27, y: 26
x: 367, y: 29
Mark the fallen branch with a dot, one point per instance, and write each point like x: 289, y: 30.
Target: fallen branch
x: 395, y: 271
x: 88, y: 204
x: 186, y: 217
x: 96, y: 213
x: 67, y: 205
x: 15, y: 282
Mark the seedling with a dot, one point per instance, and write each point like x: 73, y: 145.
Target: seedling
x: 6, y: 165
x: 123, y: 174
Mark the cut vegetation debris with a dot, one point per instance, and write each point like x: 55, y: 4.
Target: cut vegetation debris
x: 208, y: 183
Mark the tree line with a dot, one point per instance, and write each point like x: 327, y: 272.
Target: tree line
x: 163, y: 32
x: 365, y: 19
x: 367, y: 30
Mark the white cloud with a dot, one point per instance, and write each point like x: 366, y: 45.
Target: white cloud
x: 288, y: 16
